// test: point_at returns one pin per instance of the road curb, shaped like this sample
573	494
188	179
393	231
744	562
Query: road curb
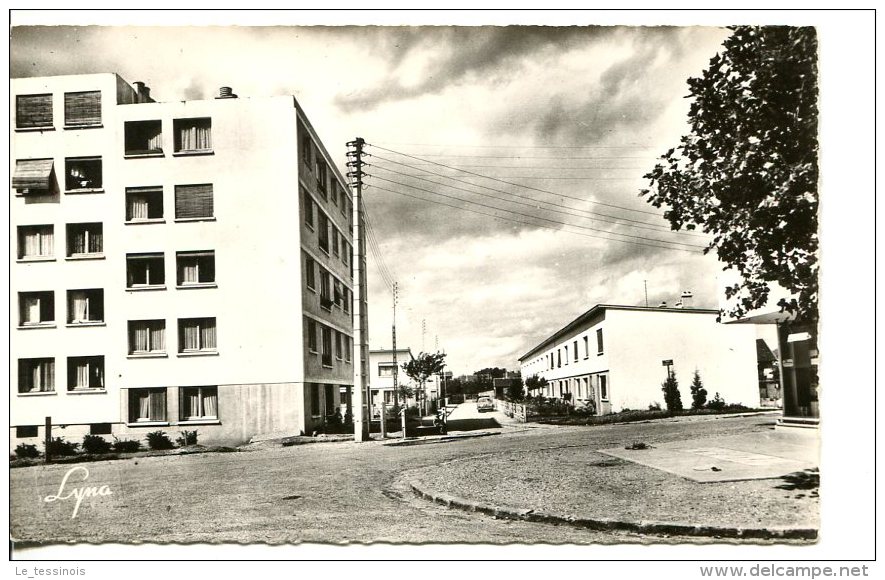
443	439
604	524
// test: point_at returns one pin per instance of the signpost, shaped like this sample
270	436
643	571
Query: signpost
668	363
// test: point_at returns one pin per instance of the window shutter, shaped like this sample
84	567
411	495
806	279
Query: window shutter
33	174
33	111
83	108
193	201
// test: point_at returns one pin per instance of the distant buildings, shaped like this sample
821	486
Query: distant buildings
613	357
175	265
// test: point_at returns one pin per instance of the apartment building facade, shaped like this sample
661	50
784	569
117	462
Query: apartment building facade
175	265
612	357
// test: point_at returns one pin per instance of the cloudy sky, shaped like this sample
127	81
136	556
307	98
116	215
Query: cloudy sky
506	160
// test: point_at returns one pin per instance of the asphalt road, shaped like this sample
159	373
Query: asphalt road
331	492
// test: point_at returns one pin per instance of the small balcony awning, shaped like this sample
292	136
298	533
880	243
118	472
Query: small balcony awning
32	175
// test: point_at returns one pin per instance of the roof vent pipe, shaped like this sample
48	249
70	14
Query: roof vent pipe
226	93
686	299
663	304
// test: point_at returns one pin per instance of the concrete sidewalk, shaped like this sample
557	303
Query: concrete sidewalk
765	486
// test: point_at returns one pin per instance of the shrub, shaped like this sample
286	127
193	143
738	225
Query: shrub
158	440
672	398
717	403
126	445
654	406
587	408
187	438
58	447
95	444
698	392
26	451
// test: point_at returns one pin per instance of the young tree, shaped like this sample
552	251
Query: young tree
515	392
698	392
424	366
747	173
533	383
672	398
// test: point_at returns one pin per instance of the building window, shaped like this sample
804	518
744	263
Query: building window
335	247
334	192
575	348
338	294
306	151
330	399
144	204
199	403
147	337
36	308
348	347
385	370
339	347
345	298
26	431
86	306
145	270
310	273
36	375
308	209
558	357
599	341
323	231
603	387
85	240
196	335
34	176
314	393
327	346
586	346
147	405
83	109
343	204
192	135
33	111
143	137
35	242
85	372
194	202
566	353
196	268
83	174
311	336
326	300
100	429
322	176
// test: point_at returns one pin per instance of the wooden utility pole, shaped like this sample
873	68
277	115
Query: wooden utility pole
361	417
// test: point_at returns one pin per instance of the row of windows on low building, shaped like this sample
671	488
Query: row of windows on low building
146	338
579	388
333	292
561	356
325	341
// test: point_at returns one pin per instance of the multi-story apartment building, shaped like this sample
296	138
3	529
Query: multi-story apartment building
175	265
618	357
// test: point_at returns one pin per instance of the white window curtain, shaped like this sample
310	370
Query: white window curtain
79	307
38	243
144	406
32	310
42	376
195	137
190	272
138	207
210	403
191	336
207	335
141	339
155	141
192	400
157	338
82	376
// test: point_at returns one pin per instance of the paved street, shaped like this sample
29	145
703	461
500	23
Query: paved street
330	492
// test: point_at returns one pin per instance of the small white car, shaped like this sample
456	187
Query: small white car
485	404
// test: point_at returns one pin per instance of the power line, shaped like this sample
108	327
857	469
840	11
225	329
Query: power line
535	205
539	217
531	224
643	225
528	156
557	167
521	185
442	146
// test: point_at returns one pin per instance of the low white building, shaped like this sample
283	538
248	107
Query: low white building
382	368
614	356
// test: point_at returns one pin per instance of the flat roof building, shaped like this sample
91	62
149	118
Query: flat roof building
175	265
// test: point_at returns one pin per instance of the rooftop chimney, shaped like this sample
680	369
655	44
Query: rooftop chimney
142	93
226	93
686	299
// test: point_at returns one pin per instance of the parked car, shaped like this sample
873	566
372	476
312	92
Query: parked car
485	404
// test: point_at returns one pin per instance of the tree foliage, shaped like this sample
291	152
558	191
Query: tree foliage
424	366
672	398
534	383
698	392
747	172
